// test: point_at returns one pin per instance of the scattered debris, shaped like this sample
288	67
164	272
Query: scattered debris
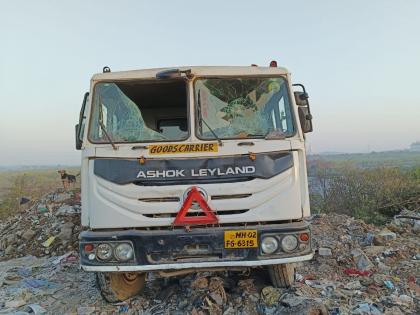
358	269
384	237
50	227
361	260
270	295
323	251
200	283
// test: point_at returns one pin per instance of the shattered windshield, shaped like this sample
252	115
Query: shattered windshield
139	111
242	107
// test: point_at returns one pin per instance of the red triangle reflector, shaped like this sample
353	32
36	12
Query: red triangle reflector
208	218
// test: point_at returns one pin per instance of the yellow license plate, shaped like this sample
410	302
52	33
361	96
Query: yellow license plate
241	239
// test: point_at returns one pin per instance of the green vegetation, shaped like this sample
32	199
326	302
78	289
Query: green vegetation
374	192
30	184
403	159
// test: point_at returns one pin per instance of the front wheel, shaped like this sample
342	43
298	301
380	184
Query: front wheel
120	286
282	276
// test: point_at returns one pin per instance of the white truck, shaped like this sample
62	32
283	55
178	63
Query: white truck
193	168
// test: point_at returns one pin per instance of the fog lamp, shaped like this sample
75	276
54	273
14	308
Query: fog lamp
124	252
104	251
289	243
269	245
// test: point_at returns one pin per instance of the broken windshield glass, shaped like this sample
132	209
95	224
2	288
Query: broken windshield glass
243	107
139	111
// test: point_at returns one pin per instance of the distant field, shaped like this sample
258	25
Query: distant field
35	182
403	159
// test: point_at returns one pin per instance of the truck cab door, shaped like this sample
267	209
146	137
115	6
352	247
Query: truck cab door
80	127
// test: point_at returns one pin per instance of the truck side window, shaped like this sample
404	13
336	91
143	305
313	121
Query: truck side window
282	116
82	117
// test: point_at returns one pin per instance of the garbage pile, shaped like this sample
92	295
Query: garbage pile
50	226
362	269
357	269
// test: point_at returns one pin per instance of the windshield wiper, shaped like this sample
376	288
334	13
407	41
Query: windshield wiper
103	128
201	119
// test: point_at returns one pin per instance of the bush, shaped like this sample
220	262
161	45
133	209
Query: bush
370	194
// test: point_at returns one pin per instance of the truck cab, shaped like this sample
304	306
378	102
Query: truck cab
192	168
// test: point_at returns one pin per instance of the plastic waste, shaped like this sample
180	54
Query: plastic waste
389	284
366	309
48	242
356	272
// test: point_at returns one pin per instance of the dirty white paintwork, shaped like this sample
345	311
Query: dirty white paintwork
282	197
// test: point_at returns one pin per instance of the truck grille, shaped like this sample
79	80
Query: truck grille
177	199
224	197
192	214
160	199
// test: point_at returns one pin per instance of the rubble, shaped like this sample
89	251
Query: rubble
323	251
351	273
361	260
49	227
270	295
384	237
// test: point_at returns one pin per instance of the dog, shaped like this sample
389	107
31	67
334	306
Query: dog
67	179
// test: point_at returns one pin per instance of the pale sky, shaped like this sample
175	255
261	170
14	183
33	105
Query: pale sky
360	61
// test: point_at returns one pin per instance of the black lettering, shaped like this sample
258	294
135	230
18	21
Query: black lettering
252	234
159	149
153	150
211	146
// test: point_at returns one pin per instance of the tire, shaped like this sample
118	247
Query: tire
282	276
120	286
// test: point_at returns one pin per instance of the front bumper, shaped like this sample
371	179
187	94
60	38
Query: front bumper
198	248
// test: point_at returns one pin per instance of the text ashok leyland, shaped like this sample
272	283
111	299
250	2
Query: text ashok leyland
193	168
199	172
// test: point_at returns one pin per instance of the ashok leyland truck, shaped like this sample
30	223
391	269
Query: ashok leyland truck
193	168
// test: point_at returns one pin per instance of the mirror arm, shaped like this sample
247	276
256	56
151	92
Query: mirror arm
306	97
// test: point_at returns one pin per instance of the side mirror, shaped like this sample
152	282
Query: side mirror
305	116
301	98
305	119
78	141
79	128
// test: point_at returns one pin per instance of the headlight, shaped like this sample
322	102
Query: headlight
289	243
104	251
269	245
124	252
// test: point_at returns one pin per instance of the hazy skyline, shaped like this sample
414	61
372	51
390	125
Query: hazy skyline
359	61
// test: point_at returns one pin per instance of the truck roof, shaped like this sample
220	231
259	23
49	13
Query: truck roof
196	70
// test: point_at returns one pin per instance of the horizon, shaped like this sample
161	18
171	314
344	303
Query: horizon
325	154
360	69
